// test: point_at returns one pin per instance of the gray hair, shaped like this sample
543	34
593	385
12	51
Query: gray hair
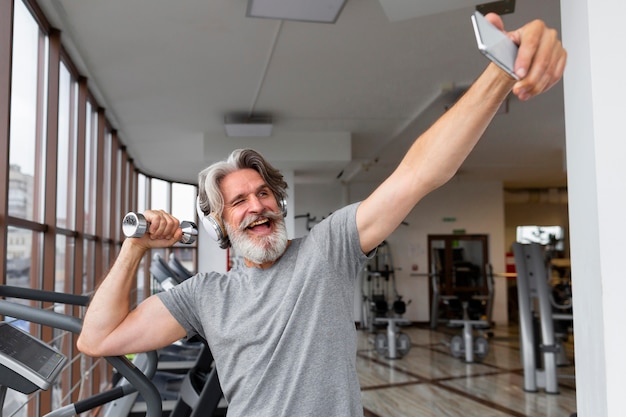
210	198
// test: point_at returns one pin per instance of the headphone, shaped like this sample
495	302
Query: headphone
215	228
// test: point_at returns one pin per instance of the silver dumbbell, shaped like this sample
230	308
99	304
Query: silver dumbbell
136	225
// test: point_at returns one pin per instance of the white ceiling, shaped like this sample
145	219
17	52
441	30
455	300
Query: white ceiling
345	97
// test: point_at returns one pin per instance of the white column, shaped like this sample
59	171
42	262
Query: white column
595	111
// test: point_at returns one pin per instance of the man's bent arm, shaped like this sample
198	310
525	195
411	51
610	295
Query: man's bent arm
110	326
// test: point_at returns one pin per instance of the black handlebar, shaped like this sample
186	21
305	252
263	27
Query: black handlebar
140	381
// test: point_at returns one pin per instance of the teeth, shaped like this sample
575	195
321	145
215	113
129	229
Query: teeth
258	222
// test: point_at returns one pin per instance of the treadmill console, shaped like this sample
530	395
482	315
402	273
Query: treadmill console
26	363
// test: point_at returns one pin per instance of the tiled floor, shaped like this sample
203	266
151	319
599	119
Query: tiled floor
429	381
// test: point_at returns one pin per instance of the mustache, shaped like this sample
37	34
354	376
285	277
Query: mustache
251	218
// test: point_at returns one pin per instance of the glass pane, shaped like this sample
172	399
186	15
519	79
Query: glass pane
20	193
106	257
25	108
437	262
184	201
60	277
468	265
544	235
105	210
66	155
91	186
137	294
118	190
141	193
19	256
88	277
160	196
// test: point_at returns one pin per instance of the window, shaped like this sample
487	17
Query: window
545	235
62	233
26	115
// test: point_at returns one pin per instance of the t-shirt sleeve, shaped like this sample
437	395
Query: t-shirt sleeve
337	239
181	301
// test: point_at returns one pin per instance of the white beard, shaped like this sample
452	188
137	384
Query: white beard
259	250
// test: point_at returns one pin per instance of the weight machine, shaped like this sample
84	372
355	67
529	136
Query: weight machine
467	345
538	314
383	306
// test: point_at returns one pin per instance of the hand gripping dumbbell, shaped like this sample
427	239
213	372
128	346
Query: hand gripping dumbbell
136	225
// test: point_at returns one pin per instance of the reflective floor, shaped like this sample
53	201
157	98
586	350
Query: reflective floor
429	381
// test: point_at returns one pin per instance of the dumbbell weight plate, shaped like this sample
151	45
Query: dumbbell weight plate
380	344
403	343
481	347
457	346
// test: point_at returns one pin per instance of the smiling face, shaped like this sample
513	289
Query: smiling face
252	218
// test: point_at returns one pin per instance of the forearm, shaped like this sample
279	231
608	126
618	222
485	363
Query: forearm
111	302
437	155
433	158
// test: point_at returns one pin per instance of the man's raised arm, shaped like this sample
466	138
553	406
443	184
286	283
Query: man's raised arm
438	153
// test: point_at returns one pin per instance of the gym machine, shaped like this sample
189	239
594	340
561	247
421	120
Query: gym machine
20	354
23	372
26	363
178	268
467	345
537	316
383	306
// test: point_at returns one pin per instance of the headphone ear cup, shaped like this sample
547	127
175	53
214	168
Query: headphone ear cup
282	204
213	226
216	230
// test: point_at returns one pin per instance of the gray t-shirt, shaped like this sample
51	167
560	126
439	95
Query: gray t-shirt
283	338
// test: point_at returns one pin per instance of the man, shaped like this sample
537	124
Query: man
281	326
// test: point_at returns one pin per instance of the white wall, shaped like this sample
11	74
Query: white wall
318	201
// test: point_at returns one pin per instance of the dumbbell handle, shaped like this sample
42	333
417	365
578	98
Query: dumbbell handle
136	225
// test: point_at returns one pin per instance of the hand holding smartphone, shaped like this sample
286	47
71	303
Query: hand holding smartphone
494	44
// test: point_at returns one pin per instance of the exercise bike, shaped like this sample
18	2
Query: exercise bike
27	373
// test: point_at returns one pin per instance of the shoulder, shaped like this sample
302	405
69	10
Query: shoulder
343	217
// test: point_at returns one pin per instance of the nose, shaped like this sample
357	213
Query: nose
255	205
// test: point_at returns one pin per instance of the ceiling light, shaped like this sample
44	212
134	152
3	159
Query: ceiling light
248	126
322	11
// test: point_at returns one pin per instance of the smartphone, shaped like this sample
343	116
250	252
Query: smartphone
494	44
